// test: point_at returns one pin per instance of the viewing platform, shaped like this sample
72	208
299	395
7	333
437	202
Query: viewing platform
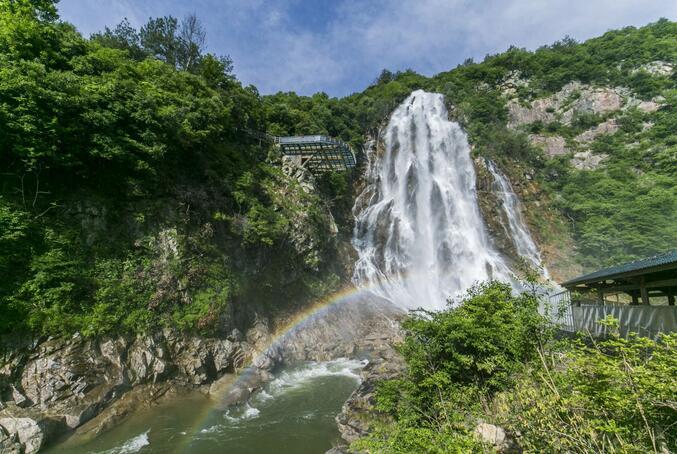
317	153
643	295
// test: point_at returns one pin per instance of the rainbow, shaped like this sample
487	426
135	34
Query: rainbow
282	333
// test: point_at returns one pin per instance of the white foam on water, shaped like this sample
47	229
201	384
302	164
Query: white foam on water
130	446
297	377
242	413
251	412
262	396
211	430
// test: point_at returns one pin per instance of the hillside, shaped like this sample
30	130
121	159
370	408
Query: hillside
132	195
153	244
586	132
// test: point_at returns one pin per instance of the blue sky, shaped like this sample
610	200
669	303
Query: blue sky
340	46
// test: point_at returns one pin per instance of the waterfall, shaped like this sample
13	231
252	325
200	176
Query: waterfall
516	228
419	233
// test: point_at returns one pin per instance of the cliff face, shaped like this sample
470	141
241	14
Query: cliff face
52	385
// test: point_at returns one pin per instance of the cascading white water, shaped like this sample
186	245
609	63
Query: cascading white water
516	228
419	234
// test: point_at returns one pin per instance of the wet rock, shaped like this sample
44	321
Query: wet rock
338	450
358	412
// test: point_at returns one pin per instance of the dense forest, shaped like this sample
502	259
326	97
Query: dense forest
133	195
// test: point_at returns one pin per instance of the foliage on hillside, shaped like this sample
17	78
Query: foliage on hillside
129	196
492	359
623	210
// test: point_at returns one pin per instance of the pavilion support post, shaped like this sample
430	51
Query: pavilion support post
600	296
635	298
671	298
644	293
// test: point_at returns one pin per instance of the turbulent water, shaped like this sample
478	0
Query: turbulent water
292	414
419	233
516	228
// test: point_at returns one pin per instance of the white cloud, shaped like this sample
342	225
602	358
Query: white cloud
275	51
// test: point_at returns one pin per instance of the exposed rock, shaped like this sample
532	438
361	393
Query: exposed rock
134	399
657	68
195	362
648	106
9	444
358	413
595	101
61	373
512	82
496	436
360	323
542	110
222	351
608	127
114	350
29	433
586	160
573	99
147	359
376	338
19	399
64	383
168	244
552	145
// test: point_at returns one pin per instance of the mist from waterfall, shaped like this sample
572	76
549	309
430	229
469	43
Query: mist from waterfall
516	228
419	233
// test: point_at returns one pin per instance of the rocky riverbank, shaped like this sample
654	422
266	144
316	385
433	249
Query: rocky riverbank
90	385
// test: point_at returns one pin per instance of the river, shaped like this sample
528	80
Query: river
292	414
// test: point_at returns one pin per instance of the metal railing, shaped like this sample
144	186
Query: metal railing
584	316
558	310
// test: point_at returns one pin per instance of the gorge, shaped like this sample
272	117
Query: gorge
421	242
169	282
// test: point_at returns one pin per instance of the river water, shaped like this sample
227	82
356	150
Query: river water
292	414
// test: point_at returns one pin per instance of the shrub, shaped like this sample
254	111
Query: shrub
614	395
